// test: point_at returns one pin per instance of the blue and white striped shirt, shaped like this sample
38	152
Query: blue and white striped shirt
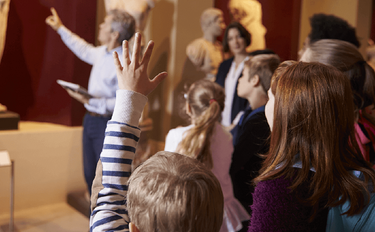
122	134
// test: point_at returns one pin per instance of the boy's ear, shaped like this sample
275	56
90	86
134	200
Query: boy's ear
133	228
255	80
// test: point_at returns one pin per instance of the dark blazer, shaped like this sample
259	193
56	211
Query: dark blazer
252	139
238	103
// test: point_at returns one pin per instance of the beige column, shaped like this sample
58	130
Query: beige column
173	24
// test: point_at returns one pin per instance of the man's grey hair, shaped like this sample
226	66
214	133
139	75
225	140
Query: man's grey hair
123	23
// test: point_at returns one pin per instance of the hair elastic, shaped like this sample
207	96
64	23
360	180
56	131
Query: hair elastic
212	100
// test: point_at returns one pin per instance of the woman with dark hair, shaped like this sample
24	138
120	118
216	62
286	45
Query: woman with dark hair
313	151
236	39
346	57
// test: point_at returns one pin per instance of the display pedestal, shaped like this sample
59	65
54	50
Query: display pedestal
9	120
6	162
49	165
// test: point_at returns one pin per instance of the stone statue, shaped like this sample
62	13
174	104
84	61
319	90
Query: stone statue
249	14
139	9
4	8
3	108
206	53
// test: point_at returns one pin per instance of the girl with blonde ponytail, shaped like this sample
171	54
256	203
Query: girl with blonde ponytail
207	141
204	104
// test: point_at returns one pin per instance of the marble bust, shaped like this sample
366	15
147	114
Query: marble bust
206	53
3	108
139	9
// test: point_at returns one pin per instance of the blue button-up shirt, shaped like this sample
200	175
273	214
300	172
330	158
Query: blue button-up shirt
103	80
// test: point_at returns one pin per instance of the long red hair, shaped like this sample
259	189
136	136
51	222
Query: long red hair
313	117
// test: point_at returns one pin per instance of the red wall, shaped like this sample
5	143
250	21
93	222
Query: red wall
282	20
35	57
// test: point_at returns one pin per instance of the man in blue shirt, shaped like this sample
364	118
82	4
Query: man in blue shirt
117	26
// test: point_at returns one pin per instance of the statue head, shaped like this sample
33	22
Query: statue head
212	21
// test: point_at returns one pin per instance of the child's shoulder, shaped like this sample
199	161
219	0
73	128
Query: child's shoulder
256	120
179	129
174	137
222	132
177	133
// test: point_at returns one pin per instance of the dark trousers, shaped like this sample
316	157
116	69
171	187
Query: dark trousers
92	138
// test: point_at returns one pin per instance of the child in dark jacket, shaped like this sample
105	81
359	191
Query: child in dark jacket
251	133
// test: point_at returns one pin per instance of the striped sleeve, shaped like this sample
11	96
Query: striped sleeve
122	134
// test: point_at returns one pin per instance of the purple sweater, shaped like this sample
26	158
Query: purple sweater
275	208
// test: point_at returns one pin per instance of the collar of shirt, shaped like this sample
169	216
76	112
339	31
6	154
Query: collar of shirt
249	113
230	89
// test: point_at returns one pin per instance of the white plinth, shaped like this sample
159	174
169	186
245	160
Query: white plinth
48	164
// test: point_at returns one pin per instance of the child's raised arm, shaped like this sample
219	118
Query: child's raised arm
110	186
133	75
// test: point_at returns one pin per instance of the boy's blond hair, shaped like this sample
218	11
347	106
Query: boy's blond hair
264	66
172	192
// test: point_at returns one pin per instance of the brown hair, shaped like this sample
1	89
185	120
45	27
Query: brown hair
264	66
206	100
279	72
346	57
325	26
243	33
173	192
313	118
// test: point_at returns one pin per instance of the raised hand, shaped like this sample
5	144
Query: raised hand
133	75
54	20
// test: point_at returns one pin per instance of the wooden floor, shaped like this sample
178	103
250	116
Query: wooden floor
59	217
